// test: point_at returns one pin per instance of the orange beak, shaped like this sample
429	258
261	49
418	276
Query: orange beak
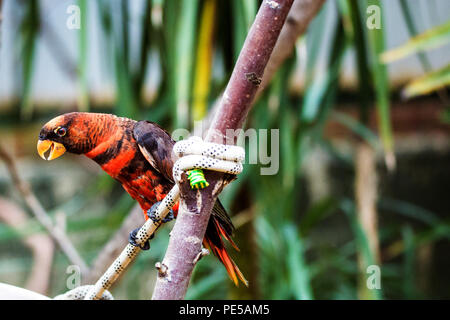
56	149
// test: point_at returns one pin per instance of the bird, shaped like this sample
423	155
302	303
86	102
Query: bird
138	154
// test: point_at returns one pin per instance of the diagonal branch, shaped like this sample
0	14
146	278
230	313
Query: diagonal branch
40	245
195	206
41	215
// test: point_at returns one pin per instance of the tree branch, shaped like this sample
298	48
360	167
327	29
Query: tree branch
36	208
366	209
195	206
40	245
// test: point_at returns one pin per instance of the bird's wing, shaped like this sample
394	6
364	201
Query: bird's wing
156	145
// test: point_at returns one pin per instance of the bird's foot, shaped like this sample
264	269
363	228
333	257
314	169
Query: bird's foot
132	240
169	217
151	213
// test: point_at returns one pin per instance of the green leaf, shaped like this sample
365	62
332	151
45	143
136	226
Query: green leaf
203	66
200	289
319	89
356	126
243	14
362	242
428	40
288	161
376	39
83	96
428	83
29	29
297	268
140	69
316	213
411	25
445	116
313	37
409	210
408	263
184	60
355	31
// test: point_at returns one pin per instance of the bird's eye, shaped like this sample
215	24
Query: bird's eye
60	131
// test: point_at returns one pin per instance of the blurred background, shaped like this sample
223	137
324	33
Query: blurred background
364	152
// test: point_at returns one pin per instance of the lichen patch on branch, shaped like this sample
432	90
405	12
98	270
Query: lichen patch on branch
273	4
201	254
199	200
193	239
162	269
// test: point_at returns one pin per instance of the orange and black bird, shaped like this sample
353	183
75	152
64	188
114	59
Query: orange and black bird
139	155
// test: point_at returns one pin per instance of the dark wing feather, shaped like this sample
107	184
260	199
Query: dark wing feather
221	214
156	145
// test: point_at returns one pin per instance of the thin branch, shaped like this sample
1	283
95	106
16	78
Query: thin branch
41	215
41	246
195	206
366	199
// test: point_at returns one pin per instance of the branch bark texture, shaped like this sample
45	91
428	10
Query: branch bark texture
195	206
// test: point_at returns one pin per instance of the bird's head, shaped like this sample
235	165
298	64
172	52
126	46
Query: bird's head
76	132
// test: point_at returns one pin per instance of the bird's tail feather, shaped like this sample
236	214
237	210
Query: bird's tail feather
218	227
